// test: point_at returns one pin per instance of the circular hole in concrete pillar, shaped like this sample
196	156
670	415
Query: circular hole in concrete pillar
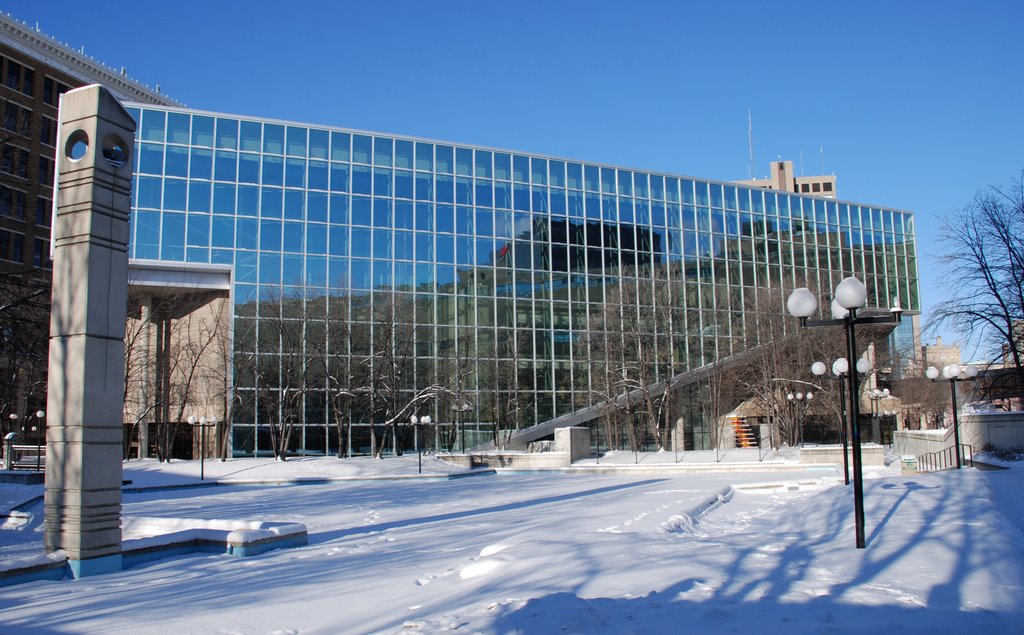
77	145
114	151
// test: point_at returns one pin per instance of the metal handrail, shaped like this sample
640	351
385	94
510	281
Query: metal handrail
944	459
24	457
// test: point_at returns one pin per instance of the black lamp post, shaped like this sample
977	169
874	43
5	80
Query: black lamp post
201	424
798	402
202	444
840	369
850	295
954	373
40	429
417	422
878	413
462	409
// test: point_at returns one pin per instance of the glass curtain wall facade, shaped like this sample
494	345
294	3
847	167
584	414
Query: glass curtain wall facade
500	259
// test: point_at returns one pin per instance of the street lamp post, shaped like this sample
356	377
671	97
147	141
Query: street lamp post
954	373
202	452
201	424
12	436
462	409
840	369
890	413
417	422
40	414
877	412
850	295
798	402
192	424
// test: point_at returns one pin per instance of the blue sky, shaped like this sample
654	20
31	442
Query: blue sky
914	105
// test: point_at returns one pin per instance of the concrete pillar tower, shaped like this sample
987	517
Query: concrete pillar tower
87	325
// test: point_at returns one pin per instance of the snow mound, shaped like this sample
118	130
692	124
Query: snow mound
479	568
687	521
490	550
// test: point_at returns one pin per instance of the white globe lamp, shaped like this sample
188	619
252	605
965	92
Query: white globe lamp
801	303
851	293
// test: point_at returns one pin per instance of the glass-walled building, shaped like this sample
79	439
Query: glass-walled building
493	258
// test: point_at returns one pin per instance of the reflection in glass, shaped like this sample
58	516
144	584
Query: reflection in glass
513	252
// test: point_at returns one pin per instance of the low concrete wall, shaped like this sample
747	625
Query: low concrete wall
919	442
1001	430
255	538
571	444
515	460
21	478
871	454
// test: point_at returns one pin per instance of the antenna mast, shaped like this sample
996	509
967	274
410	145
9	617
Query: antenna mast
750	144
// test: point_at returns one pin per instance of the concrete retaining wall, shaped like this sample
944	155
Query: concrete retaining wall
571	444
919	442
1001	430
515	460
871	454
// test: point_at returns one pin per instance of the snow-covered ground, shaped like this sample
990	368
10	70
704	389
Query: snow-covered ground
556	553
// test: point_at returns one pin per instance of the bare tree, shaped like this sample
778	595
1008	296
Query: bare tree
984	270
604	386
24	290
782	354
721	392
763	334
189	326
138	401
221	385
628	360
458	367
720	399
390	377
291	363
510	398
341	388
24	344
923	400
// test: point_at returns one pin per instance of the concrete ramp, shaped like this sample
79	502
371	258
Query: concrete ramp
520	439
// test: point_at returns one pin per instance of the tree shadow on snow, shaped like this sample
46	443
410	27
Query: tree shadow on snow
664	612
790	575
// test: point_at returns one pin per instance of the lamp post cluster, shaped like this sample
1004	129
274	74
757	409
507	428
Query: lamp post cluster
798	402
416	423
461	409
878	412
954	373
876	396
202	424
850	295
840	371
